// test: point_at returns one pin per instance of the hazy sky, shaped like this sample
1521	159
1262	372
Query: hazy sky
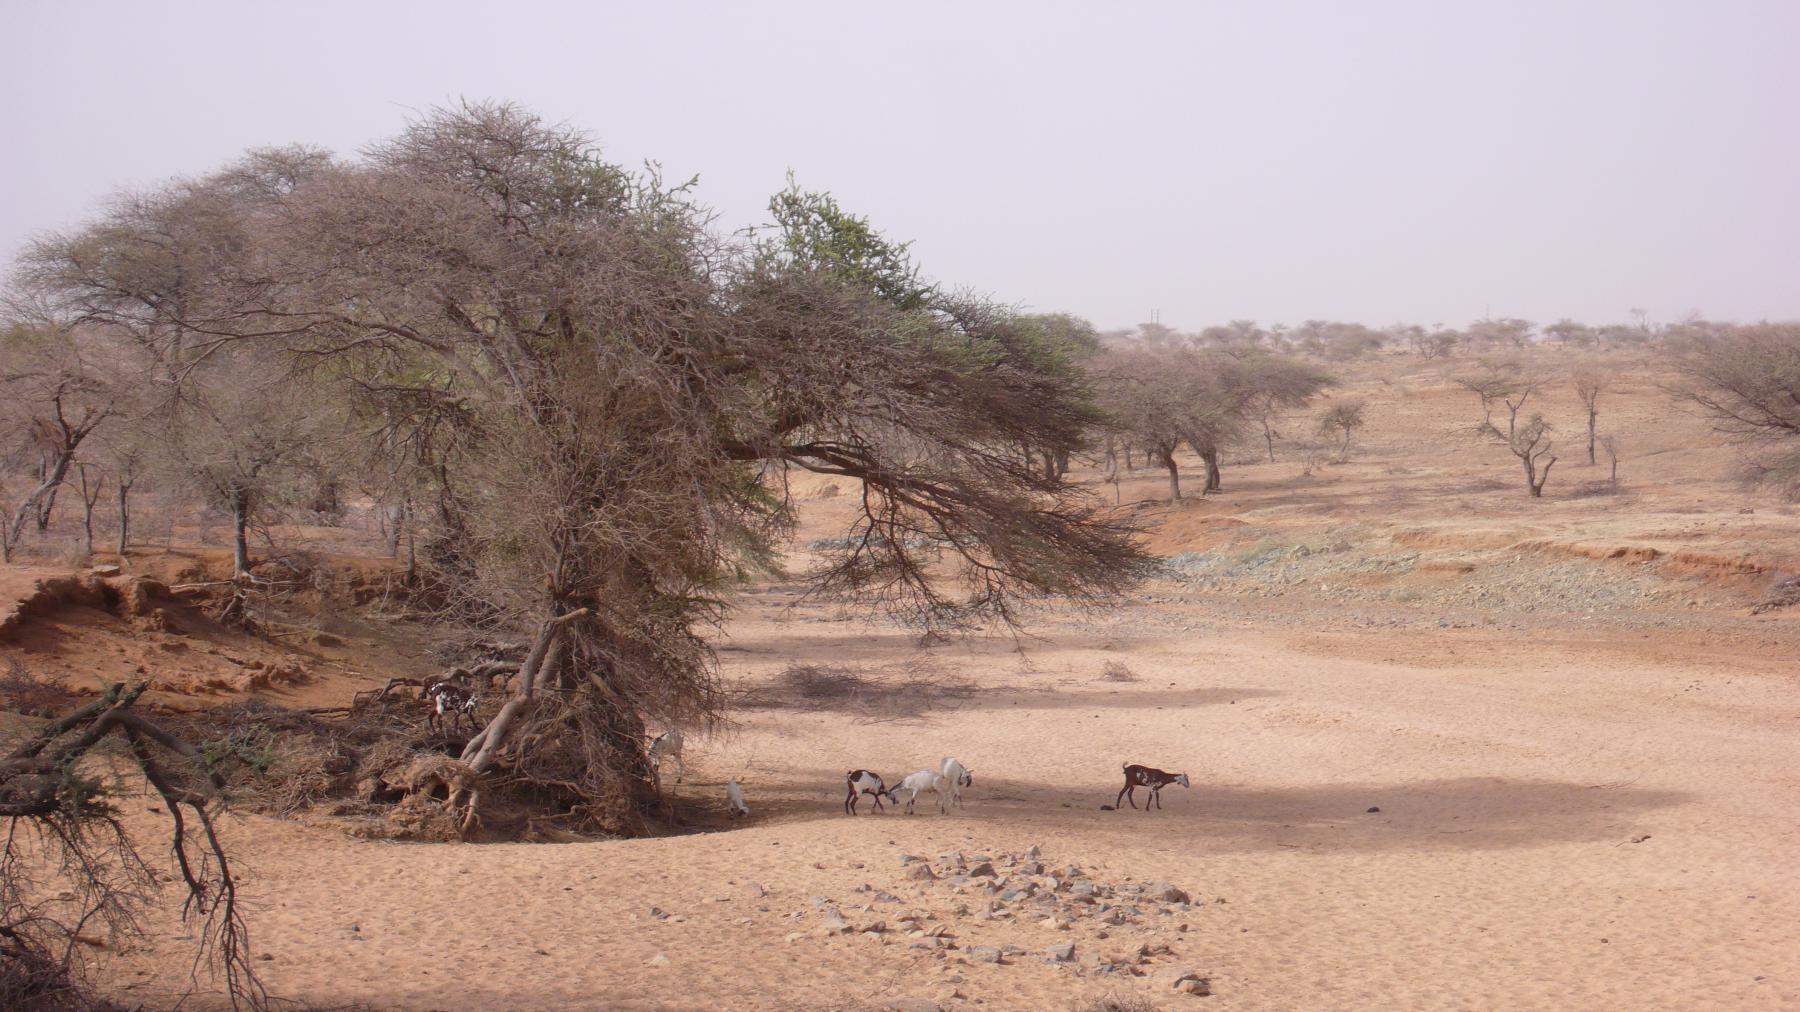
1367	161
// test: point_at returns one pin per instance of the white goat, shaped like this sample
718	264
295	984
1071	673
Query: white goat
734	799
917	783
666	746
958	776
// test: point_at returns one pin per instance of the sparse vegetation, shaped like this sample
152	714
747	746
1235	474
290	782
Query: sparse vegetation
1117	671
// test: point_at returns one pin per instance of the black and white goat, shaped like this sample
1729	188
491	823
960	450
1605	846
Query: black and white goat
861	782
448	698
1147	776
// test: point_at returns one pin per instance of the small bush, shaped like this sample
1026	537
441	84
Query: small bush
1116	672
33	695
1784	592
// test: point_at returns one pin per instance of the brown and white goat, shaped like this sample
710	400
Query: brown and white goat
862	782
1147	776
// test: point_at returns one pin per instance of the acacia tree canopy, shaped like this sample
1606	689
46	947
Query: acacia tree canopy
603	393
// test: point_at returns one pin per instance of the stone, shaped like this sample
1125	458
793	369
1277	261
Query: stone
659	960
1031	868
1062	953
834	923
1168	893
757	890
1033	853
981	869
984	954
921	873
795	936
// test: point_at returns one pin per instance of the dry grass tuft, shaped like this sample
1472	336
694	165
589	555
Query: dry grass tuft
1114	671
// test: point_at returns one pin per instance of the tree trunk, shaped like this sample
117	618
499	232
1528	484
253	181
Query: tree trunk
1592	416
480	750
54	473
89	496
124	491
1168	460
240	524
1344	452
1533	479
1269	438
1209	455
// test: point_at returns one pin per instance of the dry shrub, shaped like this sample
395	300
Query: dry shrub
32	978
1783	592
1114	671
1115	1003
33	695
871	696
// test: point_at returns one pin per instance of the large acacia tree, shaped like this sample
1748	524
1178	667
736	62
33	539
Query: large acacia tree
604	393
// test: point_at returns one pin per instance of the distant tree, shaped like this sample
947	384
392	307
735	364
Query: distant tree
1147	392
1274	385
1747	380
1430	344
1504	381
55	397
1612	446
1590	382
1571	334
1509	332
1531	443
1343	417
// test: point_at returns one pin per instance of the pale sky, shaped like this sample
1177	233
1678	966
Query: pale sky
1366	161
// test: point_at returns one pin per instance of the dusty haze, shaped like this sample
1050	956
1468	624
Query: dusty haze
1270	161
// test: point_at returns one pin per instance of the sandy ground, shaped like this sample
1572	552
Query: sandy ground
1500	872
1580	745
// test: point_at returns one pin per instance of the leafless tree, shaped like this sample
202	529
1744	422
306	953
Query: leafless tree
1747	380
56	398
1611	445
1590	382
1504	381
1531	443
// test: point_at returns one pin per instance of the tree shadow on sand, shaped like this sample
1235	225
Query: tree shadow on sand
1453	814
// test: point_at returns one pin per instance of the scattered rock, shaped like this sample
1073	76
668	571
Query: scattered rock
757	890
984	954
1373	809
659	960
1062	953
1190	982
1167	893
983	869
